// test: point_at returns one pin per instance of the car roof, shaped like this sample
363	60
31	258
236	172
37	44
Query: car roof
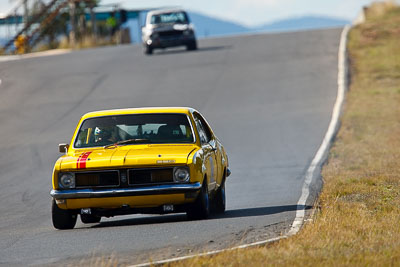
147	110
162	11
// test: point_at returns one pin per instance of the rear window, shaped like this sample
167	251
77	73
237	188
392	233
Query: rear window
147	128
173	17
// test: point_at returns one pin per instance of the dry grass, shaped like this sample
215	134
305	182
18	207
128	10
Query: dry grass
86	42
358	220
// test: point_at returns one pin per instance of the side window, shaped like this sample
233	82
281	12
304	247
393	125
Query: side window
202	135
204	131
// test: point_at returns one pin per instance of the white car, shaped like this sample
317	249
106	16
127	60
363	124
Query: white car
168	28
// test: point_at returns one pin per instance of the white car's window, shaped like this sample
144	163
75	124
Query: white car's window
173	17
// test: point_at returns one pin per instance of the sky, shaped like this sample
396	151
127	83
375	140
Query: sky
246	12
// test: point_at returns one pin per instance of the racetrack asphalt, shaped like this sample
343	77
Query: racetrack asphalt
268	97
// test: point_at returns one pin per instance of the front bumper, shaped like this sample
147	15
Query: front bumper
125	192
164	42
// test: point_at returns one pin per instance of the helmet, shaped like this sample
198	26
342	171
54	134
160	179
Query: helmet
101	134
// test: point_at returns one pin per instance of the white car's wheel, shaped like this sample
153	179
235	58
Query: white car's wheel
148	50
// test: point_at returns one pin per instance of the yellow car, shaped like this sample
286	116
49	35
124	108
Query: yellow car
144	160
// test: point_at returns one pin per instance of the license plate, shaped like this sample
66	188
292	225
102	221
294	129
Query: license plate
168	208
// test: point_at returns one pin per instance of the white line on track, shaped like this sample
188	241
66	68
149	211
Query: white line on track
317	161
333	127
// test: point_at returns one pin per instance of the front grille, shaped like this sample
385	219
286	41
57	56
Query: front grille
170	33
93	179
150	176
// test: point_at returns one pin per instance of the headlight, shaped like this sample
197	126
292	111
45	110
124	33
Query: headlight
67	180
181	174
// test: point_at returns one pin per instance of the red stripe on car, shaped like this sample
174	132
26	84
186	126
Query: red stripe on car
78	161
81	163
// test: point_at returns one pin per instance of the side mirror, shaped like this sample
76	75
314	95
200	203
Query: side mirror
63	148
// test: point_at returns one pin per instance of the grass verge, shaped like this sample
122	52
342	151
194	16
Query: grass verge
359	207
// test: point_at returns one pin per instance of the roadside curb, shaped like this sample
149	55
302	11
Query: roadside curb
35	54
321	155
318	160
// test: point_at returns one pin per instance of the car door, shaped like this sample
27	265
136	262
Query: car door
207	143
219	161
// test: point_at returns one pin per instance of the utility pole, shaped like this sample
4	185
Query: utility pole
72	36
93	21
26	12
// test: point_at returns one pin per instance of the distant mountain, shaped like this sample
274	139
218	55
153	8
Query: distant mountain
302	23
206	26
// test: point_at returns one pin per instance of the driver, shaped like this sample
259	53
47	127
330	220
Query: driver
106	135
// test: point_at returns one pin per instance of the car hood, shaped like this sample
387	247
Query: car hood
126	156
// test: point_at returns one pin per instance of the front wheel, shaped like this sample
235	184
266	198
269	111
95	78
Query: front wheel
62	219
148	50
192	46
200	209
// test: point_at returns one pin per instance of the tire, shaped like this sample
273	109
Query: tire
62	219
200	209
220	199
148	50
192	46
87	218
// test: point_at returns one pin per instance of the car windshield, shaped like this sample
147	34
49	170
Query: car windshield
173	17
135	129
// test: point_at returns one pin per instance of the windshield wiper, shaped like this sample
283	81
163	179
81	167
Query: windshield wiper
127	142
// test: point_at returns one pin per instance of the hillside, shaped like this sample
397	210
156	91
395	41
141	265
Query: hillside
302	23
207	26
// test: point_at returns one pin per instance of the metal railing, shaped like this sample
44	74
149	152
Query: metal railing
37	24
